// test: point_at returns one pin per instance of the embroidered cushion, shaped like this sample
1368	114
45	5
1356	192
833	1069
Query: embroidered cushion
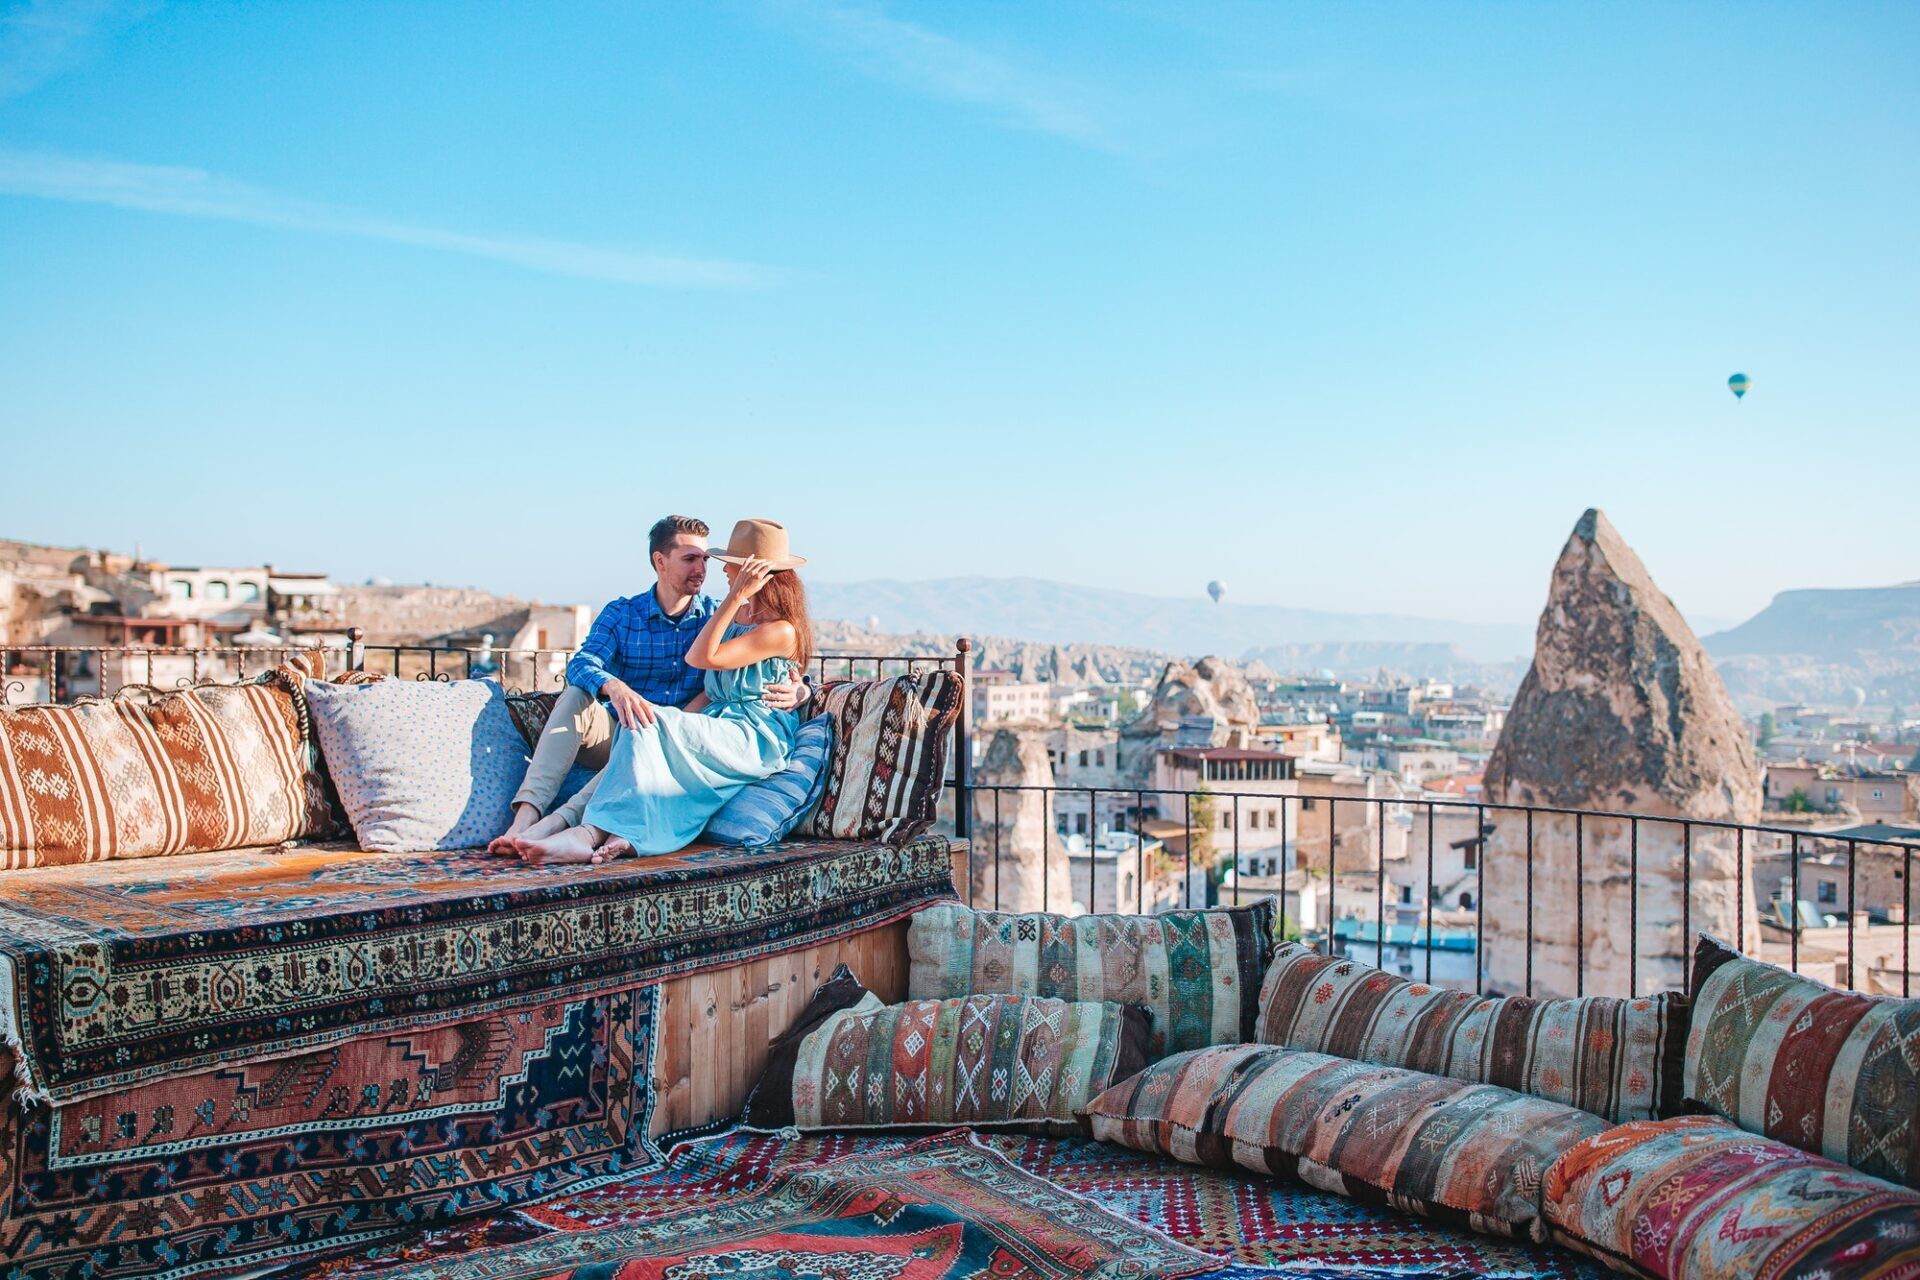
420	764
765	811
889	756
1196	972
1619	1059
1467	1154
1829	1071
147	773
998	1061
1697	1196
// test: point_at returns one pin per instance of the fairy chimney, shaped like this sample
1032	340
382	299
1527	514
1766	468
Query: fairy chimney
1013	830
1211	689
1622	710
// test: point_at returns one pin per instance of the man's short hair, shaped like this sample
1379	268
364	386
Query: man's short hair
667	528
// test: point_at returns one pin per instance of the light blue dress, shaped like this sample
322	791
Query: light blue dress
662	783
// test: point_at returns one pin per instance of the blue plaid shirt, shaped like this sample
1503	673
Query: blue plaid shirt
632	640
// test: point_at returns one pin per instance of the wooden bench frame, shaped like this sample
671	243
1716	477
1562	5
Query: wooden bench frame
715	1027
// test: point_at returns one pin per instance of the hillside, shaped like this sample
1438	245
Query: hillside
1821	646
1061	613
1026	659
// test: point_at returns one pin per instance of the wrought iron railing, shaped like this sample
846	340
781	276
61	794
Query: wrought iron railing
64	673
1556	923
41	673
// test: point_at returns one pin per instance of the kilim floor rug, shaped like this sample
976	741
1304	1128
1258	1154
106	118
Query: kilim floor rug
942	1208
1257	1223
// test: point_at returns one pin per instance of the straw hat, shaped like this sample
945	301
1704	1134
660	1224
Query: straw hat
758	539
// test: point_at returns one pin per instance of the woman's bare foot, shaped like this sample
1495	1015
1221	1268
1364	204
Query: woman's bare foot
575	844
613	847
506	844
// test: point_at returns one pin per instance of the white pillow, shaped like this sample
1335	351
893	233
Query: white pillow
420	764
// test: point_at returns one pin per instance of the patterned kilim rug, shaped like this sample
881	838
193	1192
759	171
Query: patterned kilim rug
362	1142
942	1208
1265	1227
116	973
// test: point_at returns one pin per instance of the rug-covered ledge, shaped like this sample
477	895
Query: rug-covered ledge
116	974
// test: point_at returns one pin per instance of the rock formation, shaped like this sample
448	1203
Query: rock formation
1212	688
1621	710
1017	828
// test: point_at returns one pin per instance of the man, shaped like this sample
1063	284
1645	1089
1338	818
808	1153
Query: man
633	660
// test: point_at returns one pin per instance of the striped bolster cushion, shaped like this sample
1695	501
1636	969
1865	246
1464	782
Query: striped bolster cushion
889	756
1619	1059
765	811
148	773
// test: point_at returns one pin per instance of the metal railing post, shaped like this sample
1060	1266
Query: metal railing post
963	748
356	648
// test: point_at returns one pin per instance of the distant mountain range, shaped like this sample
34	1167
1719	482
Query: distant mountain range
1826	646
1821	646
1060	613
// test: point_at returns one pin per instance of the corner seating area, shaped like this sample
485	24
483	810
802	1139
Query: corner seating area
235	1039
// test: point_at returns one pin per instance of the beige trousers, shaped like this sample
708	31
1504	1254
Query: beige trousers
579	731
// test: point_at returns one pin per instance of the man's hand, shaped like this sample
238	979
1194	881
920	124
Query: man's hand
629	708
786	695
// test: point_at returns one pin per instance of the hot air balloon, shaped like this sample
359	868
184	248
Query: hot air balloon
1738	384
1216	589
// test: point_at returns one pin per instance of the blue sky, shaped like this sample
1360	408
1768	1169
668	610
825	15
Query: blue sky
1355	307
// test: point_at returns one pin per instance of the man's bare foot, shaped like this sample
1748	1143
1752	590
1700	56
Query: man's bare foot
613	847
506	844
575	844
551	825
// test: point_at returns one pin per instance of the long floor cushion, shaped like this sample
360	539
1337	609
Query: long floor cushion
1468	1154
1698	1196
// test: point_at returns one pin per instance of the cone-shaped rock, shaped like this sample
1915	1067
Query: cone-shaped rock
1623	711
1017	828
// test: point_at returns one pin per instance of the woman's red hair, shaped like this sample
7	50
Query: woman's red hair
785	596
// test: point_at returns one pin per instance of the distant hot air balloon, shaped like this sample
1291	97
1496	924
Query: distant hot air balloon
1738	384
1216	589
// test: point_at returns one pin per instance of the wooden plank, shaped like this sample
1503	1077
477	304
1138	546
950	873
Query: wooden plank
715	1027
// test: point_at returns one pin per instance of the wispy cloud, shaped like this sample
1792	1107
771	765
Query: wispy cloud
925	61
41	38
195	193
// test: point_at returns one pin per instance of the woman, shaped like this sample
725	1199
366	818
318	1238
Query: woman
663	782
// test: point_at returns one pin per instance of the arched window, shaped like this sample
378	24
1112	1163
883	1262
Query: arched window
182	589
1466	900
216	589
248	590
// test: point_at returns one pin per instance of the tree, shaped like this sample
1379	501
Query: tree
1798	801
1769	728
1204	816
